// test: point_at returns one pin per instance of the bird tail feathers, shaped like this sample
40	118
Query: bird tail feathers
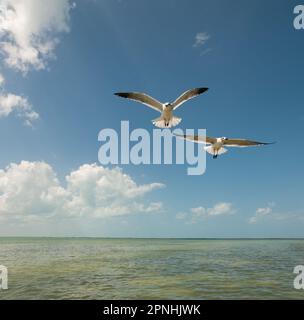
212	151
175	121
161	123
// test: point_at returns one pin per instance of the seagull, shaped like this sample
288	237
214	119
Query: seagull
215	146
167	119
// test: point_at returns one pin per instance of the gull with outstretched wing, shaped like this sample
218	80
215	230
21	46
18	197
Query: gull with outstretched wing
215	146
167	119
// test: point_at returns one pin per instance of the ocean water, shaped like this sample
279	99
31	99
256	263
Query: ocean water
81	268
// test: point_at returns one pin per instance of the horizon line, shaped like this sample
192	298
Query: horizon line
157	238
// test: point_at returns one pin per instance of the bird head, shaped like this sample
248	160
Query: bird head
167	104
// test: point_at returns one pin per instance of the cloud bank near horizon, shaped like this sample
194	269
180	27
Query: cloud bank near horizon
32	190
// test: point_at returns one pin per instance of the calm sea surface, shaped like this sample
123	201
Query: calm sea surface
59	268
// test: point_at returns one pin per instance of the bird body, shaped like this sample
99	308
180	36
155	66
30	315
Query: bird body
167	112
167	118
216	146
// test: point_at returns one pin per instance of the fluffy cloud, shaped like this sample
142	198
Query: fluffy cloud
13	103
200	39
221	208
29	28
260	213
29	34
32	189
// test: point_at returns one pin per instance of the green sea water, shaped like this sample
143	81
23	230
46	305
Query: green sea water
81	268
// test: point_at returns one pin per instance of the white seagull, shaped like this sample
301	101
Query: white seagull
215	146
167	119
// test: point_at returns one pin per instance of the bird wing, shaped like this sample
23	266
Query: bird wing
197	139
142	98
189	94
243	143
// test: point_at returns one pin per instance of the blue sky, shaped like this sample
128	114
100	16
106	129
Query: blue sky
253	65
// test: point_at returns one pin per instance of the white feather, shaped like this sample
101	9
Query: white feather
160	122
211	150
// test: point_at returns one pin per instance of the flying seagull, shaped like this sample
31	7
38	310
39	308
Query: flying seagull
167	119
215	146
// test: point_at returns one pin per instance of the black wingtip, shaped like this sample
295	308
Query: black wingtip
202	90
121	94
267	143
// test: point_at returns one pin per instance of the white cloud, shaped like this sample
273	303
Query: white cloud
32	189
2	80
200	39
105	192
13	103
29	30
29	34
220	208
260	213
268	213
